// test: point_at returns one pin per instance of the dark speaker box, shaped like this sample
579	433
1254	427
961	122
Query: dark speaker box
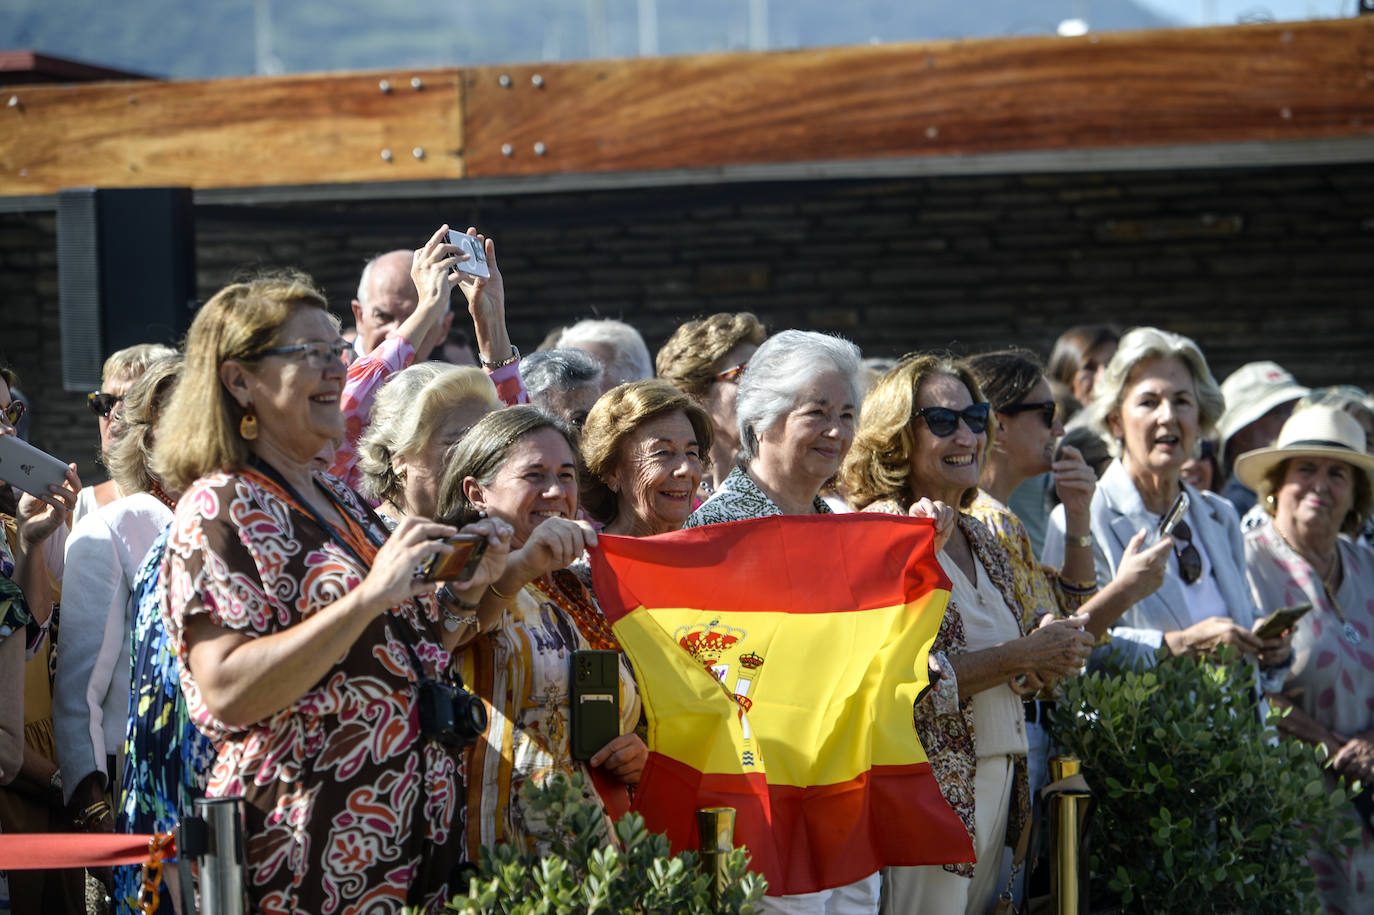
126	271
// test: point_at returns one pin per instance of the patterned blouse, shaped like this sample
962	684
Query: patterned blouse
1331	677
943	722
738	499
522	669
348	807
1039	588
167	761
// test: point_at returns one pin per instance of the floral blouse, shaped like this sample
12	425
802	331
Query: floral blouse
944	722
739	498
348	807
1039	588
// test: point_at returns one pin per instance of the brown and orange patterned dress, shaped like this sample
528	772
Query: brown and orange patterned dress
349	809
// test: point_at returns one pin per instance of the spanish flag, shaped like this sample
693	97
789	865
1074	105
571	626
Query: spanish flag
778	660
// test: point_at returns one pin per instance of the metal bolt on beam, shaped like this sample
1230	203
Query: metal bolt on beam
507	150
540	149
385	86
416	83
418	152
504	80
14	101
386	155
538	81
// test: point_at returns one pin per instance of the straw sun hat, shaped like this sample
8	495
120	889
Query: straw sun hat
1315	432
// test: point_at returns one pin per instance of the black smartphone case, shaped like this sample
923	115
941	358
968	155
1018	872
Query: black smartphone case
595	699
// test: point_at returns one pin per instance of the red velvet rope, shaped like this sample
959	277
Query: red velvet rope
54	850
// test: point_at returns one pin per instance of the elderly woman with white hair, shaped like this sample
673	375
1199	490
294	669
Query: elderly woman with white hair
797	405
1156	397
419	415
616	345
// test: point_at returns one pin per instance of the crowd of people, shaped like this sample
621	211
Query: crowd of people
241	609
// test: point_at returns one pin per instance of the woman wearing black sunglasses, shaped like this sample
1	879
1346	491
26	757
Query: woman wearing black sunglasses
117	376
1155	399
923	435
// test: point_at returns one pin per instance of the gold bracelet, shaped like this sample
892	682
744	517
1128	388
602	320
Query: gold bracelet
1083	540
500	595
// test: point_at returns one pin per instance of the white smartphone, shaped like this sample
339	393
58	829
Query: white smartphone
476	264
26	467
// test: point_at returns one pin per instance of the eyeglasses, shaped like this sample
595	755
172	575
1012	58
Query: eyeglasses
943	421
1046	408
102	403
1189	559
732	374
318	355
15	412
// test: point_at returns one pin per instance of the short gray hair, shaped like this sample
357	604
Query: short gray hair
365	280
631	361
1143	344
785	364
551	370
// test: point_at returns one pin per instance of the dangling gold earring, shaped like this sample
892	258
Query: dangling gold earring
248	426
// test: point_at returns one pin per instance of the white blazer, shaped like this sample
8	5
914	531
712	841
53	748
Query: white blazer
1117	515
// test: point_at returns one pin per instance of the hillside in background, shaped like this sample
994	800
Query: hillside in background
180	40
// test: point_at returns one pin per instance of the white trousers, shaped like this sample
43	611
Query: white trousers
858	898
932	890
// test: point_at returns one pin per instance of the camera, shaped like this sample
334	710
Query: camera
450	714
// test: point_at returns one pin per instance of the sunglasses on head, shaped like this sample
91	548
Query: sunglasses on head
15	412
101	403
943	421
1046	408
733	373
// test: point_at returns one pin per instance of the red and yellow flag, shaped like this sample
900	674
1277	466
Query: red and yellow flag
778	660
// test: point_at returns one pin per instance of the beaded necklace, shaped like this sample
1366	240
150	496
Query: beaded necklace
568	593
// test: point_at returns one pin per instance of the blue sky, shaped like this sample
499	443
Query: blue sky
1229	12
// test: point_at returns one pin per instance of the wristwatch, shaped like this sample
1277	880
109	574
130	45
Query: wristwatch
514	356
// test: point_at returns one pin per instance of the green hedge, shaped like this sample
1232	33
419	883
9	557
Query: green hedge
586	872
1201	808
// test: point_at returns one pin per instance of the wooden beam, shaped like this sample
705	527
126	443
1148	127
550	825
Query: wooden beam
1274	82
232	132
1286	84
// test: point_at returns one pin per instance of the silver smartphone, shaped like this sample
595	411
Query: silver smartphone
1170	519
26	467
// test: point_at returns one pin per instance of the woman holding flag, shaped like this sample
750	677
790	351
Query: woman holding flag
924	434
797	405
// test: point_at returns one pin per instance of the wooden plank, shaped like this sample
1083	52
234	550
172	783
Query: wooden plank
232	133
1306	82
1273	82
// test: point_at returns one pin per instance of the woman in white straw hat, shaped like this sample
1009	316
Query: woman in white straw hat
1317	483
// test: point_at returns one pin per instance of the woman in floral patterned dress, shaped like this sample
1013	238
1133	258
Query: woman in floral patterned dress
301	631
1318	485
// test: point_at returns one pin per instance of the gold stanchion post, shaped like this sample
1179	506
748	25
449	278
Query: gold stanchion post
1066	813
716	839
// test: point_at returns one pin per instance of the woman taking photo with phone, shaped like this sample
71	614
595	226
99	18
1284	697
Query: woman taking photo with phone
305	635
1317	484
519	466
1154	400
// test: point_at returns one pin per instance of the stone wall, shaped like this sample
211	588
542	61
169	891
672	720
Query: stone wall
1252	263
